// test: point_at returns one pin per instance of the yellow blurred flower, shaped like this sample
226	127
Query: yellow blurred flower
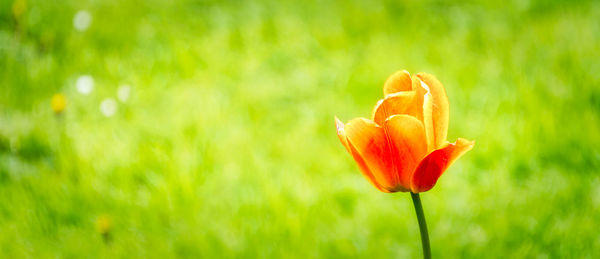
58	103
18	8
103	224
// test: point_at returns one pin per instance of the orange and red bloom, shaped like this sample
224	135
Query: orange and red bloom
403	146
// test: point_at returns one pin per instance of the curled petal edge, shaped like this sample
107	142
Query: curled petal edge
397	82
435	164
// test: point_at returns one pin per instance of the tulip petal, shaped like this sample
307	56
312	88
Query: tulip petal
435	164
424	100
440	108
359	160
397	103
428	121
362	165
339	126
408	137
397	82
371	144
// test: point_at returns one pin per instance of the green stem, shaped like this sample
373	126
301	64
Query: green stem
422	225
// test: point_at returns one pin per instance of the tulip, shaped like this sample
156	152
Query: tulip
403	147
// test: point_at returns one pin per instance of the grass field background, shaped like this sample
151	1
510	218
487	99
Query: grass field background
226	146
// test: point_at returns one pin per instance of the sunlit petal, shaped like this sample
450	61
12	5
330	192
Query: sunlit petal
339	126
408	137
357	158
397	103
440	108
372	145
397	82
362	165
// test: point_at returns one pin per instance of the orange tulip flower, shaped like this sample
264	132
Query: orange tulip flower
403	146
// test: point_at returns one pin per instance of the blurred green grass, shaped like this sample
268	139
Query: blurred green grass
226	147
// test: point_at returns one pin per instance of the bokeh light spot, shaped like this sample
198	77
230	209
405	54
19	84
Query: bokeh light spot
108	107
82	20
85	84
123	93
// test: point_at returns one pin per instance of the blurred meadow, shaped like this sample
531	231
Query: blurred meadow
205	128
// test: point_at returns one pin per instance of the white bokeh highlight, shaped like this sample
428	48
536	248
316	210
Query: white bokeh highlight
82	20
85	84
108	107
123	93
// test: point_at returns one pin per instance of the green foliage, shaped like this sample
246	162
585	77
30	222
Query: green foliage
226	146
